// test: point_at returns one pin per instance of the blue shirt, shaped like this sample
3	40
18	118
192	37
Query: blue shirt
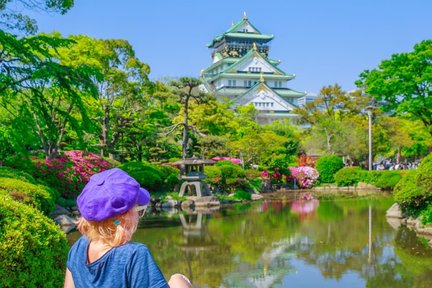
129	265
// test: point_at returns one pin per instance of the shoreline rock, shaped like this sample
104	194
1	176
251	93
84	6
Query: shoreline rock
395	218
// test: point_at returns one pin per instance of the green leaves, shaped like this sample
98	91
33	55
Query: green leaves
405	82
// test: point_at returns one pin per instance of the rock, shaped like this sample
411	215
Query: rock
66	223
187	204
394	212
59	210
169	203
256	197
205	201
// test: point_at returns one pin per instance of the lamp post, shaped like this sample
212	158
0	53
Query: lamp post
369	112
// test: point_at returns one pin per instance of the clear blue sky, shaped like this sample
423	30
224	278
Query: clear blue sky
322	42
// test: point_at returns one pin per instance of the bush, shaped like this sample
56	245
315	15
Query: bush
6	172
252	174
152	177
414	192
327	166
33	249
348	176
386	179
38	196
424	176
242	195
69	173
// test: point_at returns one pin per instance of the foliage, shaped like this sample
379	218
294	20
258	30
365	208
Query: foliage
152	177
42	93
426	214
242	195
6	172
404	83
69	173
252	174
33	249
36	195
305	176
13	18
327	166
384	179
348	176
414	192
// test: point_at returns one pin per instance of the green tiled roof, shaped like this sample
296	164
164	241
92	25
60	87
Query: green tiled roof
233	33
289	92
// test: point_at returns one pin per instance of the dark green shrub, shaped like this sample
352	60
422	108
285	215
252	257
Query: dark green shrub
146	174
242	195
348	176
33	249
327	166
6	172
426	214
38	196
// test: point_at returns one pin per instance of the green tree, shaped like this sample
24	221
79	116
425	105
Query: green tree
122	89
187	89
35	83
404	82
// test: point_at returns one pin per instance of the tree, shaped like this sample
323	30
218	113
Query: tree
187	89
122	89
12	18
404	82
326	115
34	82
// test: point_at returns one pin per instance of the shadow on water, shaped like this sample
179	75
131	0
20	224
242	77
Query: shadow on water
289	243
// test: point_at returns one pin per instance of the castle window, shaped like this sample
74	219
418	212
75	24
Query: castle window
234	83
255	69
229	82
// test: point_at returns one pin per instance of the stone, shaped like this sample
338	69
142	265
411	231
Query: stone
59	210
187	204
169	203
66	223
394	212
256	197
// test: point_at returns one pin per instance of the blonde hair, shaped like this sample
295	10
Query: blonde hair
114	231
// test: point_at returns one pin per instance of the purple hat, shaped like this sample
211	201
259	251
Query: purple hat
110	193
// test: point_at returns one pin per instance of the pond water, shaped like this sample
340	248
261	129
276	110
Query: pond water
289	243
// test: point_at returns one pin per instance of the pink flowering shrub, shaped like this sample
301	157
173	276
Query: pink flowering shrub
304	175
70	172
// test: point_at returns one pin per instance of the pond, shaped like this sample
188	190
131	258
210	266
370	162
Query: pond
287	243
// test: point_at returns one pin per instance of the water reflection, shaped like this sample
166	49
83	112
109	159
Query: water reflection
283	243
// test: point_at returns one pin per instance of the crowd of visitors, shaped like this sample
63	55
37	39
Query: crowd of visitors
390	165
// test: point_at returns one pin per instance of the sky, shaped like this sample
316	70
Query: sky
321	42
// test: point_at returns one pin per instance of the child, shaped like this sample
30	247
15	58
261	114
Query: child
104	256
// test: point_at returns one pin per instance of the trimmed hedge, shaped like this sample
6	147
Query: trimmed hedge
384	179
33	249
36	195
348	176
327	166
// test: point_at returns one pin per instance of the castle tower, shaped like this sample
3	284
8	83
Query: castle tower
242	72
